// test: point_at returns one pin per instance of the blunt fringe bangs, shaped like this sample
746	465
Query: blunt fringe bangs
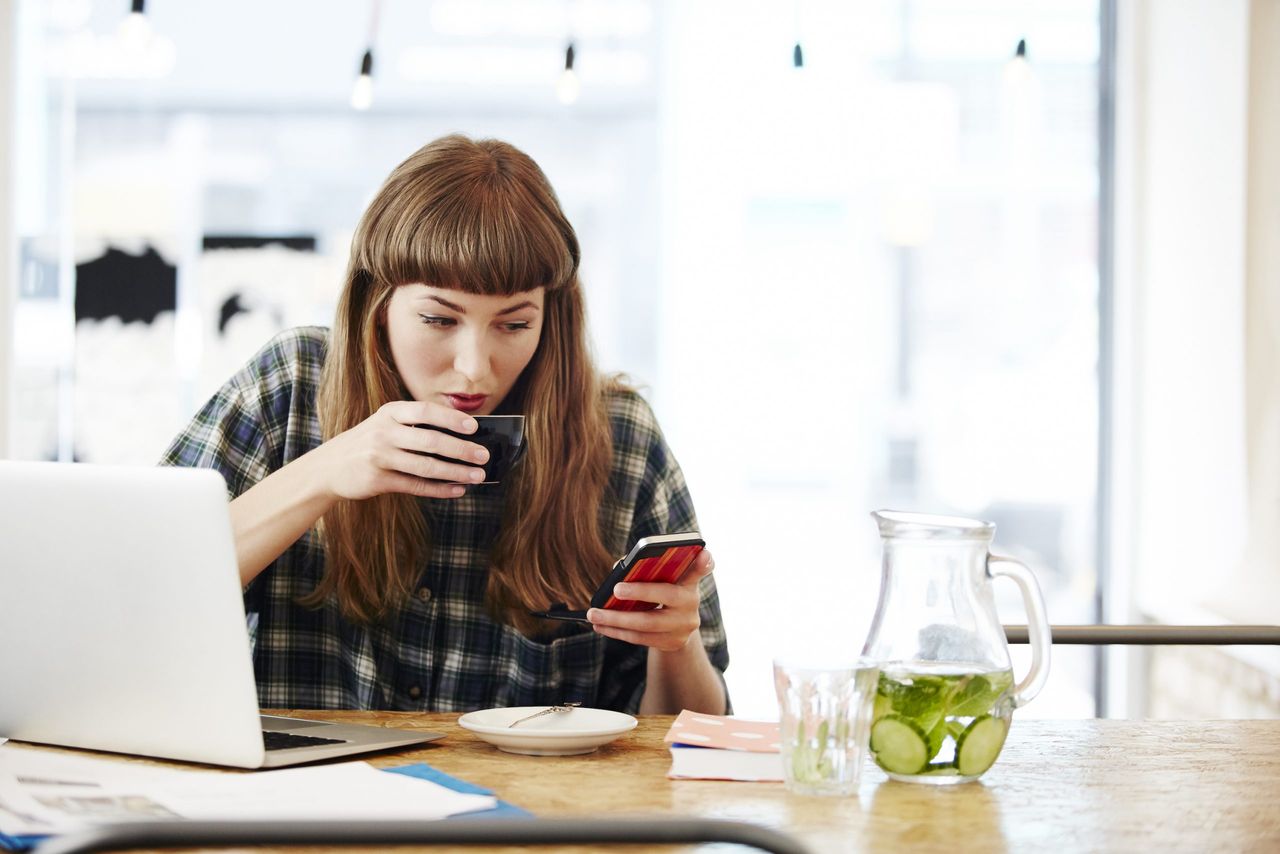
475	215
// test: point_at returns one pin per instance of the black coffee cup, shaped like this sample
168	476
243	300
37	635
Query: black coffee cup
501	435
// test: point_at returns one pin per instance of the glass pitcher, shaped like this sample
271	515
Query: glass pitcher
946	695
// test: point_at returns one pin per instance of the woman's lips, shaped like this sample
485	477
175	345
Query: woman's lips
467	402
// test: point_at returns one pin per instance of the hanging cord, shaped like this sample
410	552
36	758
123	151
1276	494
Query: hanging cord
375	12
797	53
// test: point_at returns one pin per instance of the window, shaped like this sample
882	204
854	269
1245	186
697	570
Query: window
882	292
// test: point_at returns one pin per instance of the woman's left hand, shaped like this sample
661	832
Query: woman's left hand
668	628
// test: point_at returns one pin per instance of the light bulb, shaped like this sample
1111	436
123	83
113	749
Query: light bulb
1017	71
567	87
134	32
362	92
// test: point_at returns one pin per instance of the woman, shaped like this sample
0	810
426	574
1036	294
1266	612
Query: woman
370	580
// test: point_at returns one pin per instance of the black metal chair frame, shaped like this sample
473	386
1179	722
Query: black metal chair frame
460	832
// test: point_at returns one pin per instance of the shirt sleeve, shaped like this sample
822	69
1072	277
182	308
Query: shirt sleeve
226	435
663	506
242	429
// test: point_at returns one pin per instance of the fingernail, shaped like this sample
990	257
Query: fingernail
480	455
457	490
622	589
476	476
470	425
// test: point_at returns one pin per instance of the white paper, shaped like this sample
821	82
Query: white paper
344	792
43	792
49	793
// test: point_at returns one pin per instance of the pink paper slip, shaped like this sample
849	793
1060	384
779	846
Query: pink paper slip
698	730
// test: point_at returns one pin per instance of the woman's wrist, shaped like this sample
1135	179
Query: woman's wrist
315	479
691	651
682	679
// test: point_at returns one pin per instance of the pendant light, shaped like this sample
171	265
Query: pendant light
568	87
362	91
135	30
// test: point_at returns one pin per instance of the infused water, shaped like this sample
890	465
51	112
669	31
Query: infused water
939	722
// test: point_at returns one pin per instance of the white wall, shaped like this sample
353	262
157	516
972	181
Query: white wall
1187	278
1196	272
1254	595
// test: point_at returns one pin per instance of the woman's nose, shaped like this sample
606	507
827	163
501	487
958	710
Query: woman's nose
472	358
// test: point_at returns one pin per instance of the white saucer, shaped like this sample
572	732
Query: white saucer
557	734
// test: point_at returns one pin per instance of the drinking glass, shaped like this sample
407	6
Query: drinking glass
826	715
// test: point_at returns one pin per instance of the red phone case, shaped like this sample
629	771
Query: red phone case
669	566
660	558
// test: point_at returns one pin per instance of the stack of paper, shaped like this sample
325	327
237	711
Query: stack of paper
44	793
715	747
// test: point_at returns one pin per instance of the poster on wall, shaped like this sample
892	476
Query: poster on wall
251	287
126	388
134	381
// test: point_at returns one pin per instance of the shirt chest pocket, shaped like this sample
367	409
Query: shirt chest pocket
546	672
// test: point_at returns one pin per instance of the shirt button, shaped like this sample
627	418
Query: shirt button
423	594
415	692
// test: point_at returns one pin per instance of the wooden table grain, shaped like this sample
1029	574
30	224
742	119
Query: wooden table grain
1063	786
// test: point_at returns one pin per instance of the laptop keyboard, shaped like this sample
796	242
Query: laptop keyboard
285	740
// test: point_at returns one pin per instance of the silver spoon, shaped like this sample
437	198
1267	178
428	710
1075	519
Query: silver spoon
562	707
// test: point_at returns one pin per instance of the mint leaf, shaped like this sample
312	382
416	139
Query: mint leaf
976	696
923	698
917	698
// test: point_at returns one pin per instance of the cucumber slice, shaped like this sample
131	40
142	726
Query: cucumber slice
979	745
899	745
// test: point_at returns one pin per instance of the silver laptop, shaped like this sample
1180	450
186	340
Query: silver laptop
122	625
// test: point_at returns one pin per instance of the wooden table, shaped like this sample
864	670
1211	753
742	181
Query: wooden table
1079	785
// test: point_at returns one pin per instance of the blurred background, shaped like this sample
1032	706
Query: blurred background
985	257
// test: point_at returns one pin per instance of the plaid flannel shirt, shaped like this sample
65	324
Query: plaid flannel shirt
441	651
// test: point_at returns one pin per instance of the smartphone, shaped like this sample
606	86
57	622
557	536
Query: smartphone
660	558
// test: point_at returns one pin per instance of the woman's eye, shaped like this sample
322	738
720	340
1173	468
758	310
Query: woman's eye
516	326
435	320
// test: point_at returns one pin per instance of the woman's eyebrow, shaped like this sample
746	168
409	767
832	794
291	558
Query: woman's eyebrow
513	309
449	305
460	310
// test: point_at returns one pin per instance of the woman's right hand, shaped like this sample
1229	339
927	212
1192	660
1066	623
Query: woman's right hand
385	453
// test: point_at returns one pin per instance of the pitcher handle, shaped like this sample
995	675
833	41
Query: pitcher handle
1037	625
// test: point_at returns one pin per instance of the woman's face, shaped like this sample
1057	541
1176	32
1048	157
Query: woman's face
463	350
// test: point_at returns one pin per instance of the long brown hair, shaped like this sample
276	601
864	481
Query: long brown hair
479	216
